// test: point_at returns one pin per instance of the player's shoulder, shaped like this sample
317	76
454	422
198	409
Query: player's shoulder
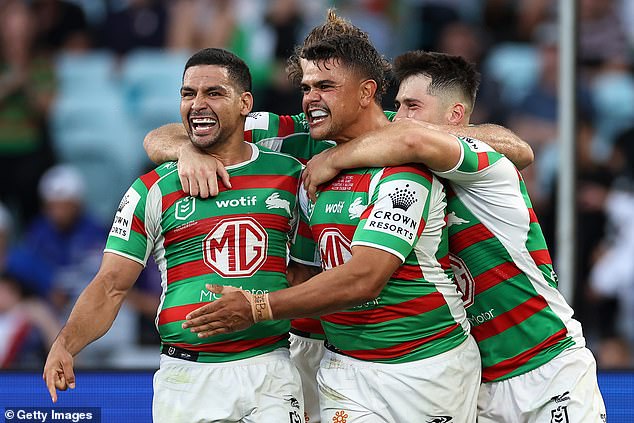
164	172
276	157
408	170
274	124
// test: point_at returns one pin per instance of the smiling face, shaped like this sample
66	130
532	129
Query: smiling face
212	108
414	101
331	98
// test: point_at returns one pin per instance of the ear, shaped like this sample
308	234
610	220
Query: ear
367	90
457	114
246	103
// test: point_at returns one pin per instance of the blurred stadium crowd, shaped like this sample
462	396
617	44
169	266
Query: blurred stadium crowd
82	81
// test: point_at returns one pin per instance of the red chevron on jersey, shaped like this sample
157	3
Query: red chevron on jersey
400	349
505	367
413	307
199	268
468	237
233	346
418	170
494	276
509	319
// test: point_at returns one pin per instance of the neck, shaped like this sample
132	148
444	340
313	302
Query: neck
367	120
232	152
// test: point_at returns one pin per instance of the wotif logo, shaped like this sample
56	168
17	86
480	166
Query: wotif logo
237	202
334	208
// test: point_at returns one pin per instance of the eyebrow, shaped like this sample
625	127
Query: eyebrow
323	81
211	88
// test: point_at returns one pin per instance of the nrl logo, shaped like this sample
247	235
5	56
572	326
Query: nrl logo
184	208
403	198
559	415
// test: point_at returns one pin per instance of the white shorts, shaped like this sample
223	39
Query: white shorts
259	389
563	390
443	388
306	354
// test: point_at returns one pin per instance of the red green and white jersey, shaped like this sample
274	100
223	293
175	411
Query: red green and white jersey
400	210
238	238
501	262
289	135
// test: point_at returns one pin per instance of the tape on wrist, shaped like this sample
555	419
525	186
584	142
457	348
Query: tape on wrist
261	308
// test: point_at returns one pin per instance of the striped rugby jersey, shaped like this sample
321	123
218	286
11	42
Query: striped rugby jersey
501	262
400	210
238	238
289	135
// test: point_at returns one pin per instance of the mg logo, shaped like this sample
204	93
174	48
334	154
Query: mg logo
463	278
235	247
334	248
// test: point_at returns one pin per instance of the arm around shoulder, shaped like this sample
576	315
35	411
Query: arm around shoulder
163	144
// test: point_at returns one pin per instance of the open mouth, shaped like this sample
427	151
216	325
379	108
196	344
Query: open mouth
316	116
202	125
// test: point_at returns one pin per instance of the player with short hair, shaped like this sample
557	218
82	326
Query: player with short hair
238	238
290	135
399	347
535	363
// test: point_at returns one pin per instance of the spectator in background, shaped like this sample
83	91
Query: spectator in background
285	21
61	26
201	23
612	276
142	24
602	37
21	262
467	41
27	326
26	93
64	235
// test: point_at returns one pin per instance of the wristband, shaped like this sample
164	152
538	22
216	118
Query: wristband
260	307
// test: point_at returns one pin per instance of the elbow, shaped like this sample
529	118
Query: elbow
365	287
147	145
527	157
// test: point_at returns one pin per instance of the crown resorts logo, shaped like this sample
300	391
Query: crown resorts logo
403	198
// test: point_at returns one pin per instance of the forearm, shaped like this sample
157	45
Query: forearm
91	317
163	144
501	139
406	141
336	289
98	305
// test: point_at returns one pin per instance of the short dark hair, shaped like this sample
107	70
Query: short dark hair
349	48
238	70
446	72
